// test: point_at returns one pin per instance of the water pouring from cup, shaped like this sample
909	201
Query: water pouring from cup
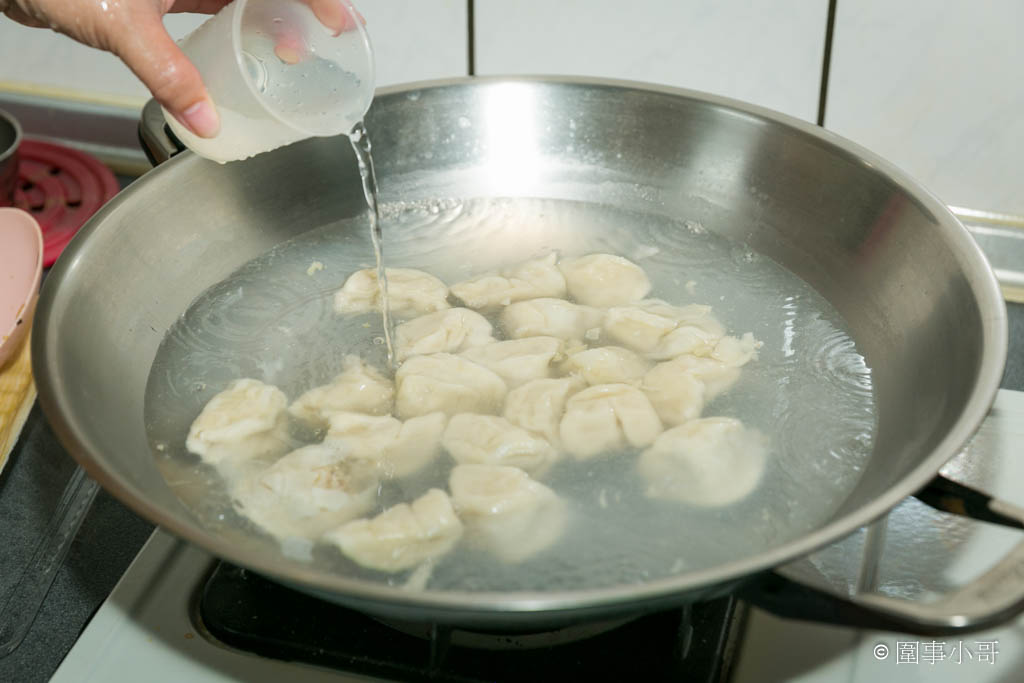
279	71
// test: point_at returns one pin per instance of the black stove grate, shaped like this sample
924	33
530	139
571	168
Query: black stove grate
247	612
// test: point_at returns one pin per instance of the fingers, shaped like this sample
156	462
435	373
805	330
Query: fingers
331	13
198	6
337	15
175	83
21	16
290	48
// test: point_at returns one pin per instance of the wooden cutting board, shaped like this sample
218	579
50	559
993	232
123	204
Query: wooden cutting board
17	394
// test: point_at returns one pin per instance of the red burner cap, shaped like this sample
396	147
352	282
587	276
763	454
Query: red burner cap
62	188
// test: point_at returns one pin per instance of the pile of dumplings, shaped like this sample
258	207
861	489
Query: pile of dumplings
506	374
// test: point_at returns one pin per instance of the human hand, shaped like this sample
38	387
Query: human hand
134	31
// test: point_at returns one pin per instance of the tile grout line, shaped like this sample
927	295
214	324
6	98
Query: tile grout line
471	38
826	62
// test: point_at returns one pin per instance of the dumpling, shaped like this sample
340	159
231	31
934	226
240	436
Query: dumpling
399	448
410	292
448	331
607	365
608	417
530	280
716	376
736	352
402	536
604	280
245	422
677	395
517	361
718	372
492	440
448	384
506	512
552	318
307	492
712	461
664	331
359	388
538	406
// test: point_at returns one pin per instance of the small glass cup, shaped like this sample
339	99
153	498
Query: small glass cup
277	75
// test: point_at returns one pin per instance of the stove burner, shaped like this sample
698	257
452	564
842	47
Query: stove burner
62	188
247	612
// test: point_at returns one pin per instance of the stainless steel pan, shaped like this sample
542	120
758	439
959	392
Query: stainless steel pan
917	294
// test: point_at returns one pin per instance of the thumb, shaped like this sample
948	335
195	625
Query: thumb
162	67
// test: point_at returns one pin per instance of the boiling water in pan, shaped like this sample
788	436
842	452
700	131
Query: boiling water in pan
809	390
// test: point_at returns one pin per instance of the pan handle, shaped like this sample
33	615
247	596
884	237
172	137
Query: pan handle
156	138
992	599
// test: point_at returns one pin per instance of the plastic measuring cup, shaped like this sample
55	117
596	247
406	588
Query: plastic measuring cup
277	75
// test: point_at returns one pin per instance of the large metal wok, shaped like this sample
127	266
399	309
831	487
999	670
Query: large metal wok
916	292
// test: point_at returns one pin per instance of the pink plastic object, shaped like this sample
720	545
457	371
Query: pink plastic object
62	188
21	269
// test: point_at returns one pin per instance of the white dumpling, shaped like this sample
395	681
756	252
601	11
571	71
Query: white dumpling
608	417
506	512
716	376
677	395
403	536
607	365
400	449
307	492
736	351
448	331
538	405
712	461
492	440
517	361
359	388
551	318
719	371
245	423
662	331
530	280
445	383
410	292
604	280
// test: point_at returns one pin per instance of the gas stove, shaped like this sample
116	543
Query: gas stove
180	611
178	614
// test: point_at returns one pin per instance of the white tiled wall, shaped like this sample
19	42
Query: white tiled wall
768	52
416	40
937	87
413	40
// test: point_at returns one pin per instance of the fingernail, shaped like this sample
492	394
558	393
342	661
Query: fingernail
202	119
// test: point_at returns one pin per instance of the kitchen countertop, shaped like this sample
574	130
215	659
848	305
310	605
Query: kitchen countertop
111	535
